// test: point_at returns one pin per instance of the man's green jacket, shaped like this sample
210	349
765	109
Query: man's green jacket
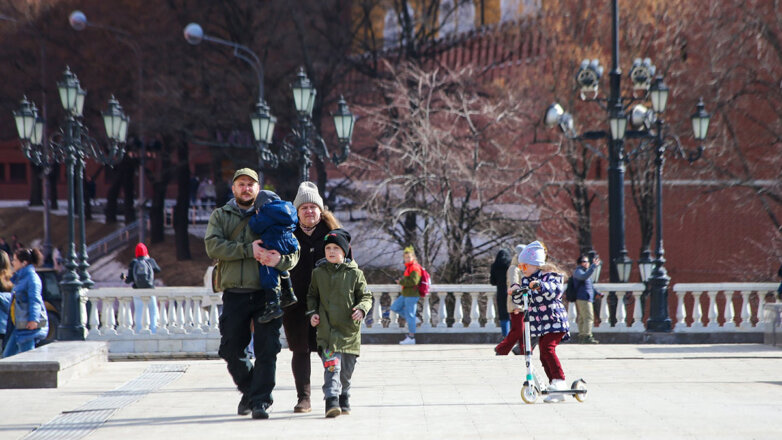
238	268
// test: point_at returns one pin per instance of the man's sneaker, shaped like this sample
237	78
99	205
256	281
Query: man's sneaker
261	410
244	405
273	311
589	339
344	403
332	407
516	350
556	385
407	341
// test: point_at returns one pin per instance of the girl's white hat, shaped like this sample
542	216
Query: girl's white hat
533	254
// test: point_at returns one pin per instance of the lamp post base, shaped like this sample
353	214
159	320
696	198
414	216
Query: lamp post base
659	320
73	313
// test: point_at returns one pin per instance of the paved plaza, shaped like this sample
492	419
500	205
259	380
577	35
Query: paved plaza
427	392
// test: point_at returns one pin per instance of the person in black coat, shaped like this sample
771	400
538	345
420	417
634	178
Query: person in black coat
498	277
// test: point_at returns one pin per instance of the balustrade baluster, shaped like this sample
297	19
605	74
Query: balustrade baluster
491	310
441	310
377	310
730	311
474	311
426	312
94	322
605	325
145	330
621	313
126	315
681	314
162	319
638	313
458	313
746	310
697	312
713	311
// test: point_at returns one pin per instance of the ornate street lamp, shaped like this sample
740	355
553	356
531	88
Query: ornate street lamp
644	87
72	145
304	139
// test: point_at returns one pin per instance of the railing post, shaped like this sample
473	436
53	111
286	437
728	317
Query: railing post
474	311
458	313
746	310
442	312
713	311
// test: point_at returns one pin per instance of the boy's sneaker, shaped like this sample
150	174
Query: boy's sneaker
556	385
244	406
516	350
261	410
332	407
344	404
407	341
273	311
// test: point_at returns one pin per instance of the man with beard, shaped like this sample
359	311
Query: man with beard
238	250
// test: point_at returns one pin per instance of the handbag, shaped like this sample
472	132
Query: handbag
216	280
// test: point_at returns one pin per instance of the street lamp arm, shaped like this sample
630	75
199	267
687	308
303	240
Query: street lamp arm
194	35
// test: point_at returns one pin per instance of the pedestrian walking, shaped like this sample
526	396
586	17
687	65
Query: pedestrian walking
238	250
585	297
314	223
6	271
337	302
547	315
28	311
498	276
141	275
407	301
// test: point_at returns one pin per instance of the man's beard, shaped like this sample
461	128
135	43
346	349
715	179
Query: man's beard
245	205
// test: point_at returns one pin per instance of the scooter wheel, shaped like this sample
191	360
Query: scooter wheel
579	385
529	393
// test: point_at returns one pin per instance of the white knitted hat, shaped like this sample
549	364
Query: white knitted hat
533	254
308	193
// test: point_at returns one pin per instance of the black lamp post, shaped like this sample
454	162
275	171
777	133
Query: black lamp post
658	278
304	139
641	75
71	145
588	78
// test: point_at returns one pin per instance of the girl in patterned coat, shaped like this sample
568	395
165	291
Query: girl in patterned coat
547	315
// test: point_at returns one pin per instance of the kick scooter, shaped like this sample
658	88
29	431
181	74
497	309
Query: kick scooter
533	387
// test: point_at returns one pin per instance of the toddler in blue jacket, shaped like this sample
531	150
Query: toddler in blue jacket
275	220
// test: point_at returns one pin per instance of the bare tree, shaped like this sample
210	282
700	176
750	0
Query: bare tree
462	153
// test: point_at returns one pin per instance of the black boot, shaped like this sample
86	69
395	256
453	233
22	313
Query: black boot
273	310
332	407
344	403
287	297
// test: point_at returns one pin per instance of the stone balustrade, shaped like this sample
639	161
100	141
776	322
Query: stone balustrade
188	316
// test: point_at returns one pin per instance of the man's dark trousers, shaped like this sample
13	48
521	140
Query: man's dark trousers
239	310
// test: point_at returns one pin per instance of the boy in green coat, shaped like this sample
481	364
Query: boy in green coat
337	302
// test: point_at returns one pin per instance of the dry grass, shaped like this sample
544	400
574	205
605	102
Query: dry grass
28	227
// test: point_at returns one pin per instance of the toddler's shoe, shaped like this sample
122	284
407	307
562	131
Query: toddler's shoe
287	298
273	311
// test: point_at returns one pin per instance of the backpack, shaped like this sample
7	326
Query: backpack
143	275
426	281
570	290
